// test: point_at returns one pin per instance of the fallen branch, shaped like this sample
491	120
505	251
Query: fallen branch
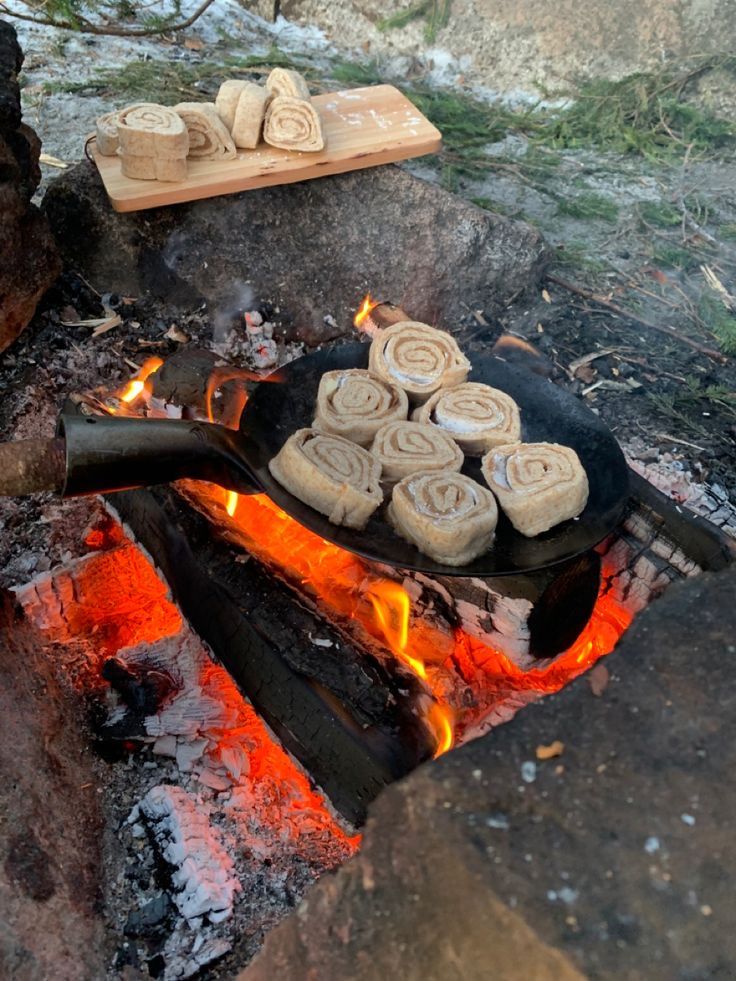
601	301
84	26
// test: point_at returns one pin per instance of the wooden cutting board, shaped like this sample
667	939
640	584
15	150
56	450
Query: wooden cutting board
362	128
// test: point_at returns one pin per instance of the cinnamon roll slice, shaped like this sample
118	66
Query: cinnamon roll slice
149	130
293	124
249	115
446	515
404	448
477	416
285	81
354	404
418	358
209	138
334	476
538	485
107	133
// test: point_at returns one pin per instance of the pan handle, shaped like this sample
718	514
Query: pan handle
109	454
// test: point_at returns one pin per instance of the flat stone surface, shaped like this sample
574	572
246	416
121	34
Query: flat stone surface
313	249
615	859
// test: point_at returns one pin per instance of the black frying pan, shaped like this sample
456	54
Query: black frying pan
106	453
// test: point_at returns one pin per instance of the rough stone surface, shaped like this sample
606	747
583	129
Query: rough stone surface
30	261
614	859
50	822
512	45
313	249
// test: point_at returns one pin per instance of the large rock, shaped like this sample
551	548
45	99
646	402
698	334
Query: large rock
532	45
51	826
30	261
312	248
615	860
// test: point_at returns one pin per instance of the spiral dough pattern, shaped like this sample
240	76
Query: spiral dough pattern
446	515
538	485
477	416
403	448
356	405
418	358
334	476
293	124
209	137
150	130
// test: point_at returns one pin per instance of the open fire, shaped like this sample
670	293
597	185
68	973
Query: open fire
374	669
465	684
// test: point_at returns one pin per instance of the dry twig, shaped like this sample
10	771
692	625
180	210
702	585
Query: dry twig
628	315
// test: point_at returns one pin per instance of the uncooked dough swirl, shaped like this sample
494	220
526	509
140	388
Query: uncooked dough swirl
331	474
446	515
354	404
538	485
477	416
418	358
403	448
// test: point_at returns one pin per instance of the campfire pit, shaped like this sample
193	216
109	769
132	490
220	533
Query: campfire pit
332	675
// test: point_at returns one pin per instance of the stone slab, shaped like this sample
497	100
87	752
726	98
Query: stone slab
615	859
313	249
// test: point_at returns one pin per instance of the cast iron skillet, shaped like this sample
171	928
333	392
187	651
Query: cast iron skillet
106	454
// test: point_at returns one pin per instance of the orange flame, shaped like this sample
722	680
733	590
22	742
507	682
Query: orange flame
231	502
136	385
441	719
230	417
365	308
392	606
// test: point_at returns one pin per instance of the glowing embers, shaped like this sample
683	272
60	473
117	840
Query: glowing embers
112	604
472	685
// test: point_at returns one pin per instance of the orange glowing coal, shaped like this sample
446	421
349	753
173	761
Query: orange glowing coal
136	385
365	308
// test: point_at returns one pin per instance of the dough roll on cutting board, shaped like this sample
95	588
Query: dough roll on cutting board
209	137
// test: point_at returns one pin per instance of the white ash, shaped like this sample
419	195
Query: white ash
676	480
251	341
203	877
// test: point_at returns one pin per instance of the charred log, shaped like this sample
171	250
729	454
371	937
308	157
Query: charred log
348	722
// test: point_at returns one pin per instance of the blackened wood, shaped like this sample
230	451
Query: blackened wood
30	466
349	759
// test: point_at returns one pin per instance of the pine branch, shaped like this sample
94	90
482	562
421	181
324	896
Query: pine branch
84	26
